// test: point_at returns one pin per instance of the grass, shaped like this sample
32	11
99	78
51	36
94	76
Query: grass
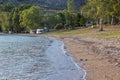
109	32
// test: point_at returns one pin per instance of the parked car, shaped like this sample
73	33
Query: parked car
88	24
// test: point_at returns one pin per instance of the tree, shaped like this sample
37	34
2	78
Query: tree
50	20
67	17
71	6
31	18
82	20
15	20
77	20
15	17
6	7
113	10
62	17
58	19
103	10
96	9
4	21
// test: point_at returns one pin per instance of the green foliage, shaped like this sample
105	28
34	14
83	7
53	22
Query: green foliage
15	20
71	6
23	7
31	18
67	17
59	26
6	7
50	20
4	21
15	17
104	9
82	20
62	17
66	26
27	17
58	18
77	20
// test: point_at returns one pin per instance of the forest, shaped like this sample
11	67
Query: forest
26	17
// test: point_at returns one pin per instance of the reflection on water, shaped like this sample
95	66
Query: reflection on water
32	58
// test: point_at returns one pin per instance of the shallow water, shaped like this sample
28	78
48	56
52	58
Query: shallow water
35	58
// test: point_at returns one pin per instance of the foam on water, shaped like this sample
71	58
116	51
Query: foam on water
64	64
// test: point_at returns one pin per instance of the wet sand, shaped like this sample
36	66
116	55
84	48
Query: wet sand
100	58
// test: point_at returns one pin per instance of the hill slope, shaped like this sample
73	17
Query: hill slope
52	4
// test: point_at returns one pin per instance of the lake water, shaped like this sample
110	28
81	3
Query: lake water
36	58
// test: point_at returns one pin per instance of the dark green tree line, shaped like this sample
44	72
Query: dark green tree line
27	17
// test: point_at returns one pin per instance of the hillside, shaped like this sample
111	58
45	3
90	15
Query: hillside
51	4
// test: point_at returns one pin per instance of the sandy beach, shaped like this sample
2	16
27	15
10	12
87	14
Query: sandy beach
100	57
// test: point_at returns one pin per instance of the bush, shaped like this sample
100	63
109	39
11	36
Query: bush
58	26
67	26
70	27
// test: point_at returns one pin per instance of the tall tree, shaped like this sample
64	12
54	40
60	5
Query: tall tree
62	17
50	20
114	8
103	9
4	21
15	16
77	20
6	7
96	9
67	17
71	6
15	20
31	18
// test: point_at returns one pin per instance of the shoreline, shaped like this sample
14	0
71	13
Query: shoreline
79	65
97	62
96	65
74	71
66	52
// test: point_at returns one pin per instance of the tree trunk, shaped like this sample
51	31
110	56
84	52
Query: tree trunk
112	20
97	22
108	21
101	27
119	21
